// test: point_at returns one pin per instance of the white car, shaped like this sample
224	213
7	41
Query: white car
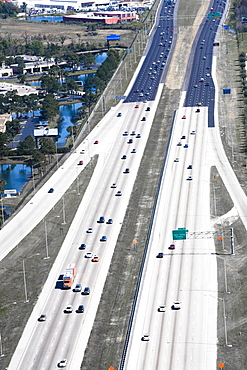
90	230
62	363
69	309
145	337
162	308
77	288
189	178
176	305
176	160
89	255
114	185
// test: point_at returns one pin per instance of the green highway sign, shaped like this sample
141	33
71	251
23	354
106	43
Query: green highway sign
217	15
179	234
210	15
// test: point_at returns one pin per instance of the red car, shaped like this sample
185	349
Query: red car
96	142
137	106
172	246
184	117
80	163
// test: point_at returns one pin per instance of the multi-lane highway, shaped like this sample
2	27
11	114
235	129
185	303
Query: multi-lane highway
178	339
184	338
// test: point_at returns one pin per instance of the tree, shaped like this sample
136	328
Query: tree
71	85
3	144
35	47
49	107
50	84
12	128
26	146
72	59
47	145
87	59
2	183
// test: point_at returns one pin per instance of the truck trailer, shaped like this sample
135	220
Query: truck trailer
69	276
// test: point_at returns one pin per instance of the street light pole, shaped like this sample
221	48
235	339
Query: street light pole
1	346
46	243
2	211
64	222
25	284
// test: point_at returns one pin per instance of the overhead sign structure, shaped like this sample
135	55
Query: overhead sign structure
180	233
120	97
217	15
112	37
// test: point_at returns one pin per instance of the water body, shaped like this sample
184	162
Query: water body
16	175
67	112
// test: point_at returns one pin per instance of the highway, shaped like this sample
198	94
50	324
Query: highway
179	339
184	338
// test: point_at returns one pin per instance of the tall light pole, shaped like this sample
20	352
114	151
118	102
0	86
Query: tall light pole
24	279
46	243
2	211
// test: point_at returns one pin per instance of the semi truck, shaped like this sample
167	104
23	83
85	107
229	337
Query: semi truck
69	276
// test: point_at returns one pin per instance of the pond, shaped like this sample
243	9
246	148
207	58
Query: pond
16	175
48	18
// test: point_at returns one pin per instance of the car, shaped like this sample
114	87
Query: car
137	106
125	133
208	74
119	114
101	220
127	170
82	246
183	137
68	309
118	194
141	95
207	84
195	86
189	167
124	156
143	119
199	104
136	90
103	238
201	79
193	132
171	246
42	317
198	110
204	58
176	160
89	230
82	151
162	308
114	185
189	178
96	142
130	141
80	163
179	143
110	221
86	291
145	337
176	305
80	309
77	288
62	363
138	136
184	117
88	255
133	133
160	255
186	145
95	258
51	190
133	151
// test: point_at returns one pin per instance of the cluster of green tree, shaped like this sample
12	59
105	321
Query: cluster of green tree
238	11
94	86
12	102
8	9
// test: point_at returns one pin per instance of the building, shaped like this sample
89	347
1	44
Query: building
3	119
20	89
34	64
91	18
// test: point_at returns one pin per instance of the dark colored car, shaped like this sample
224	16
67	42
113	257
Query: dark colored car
86	291
148	109
80	309
82	246
130	141
143	119
110	221
189	167
160	255
119	115
127	170
103	238
124	156
51	190
80	163
101	220
172	246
